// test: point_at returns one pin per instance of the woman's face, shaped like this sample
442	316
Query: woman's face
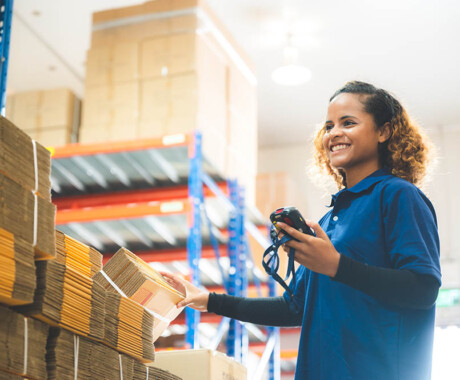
351	137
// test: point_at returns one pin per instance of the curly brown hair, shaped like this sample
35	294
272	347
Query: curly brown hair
406	152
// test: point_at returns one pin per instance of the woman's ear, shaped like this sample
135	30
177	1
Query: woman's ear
385	132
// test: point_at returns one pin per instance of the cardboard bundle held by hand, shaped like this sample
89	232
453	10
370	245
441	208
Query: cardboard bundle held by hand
135	279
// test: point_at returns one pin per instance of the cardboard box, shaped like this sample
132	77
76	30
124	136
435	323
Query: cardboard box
57	108
142	284
171	55
200	364
51	137
44	115
187	80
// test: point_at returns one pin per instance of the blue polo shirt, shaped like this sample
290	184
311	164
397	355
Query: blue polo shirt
387	222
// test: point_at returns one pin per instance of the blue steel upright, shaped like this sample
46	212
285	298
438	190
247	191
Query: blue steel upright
242	268
237	338
6	12
274	364
195	190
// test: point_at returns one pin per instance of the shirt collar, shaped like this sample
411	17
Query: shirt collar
364	184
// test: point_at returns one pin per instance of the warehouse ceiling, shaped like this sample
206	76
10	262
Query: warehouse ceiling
409	47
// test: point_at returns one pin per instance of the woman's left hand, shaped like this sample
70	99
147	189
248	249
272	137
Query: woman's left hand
316	253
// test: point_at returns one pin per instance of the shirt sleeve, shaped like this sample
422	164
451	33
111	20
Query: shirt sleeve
273	311
398	287
411	232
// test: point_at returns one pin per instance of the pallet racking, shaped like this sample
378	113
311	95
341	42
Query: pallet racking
153	196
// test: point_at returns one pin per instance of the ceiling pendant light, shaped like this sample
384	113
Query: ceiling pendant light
291	73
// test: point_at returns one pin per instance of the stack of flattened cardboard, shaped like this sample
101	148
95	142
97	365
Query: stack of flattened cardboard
153	373
70	356
68	299
9	376
17	159
18	206
70	252
129	327
48	116
25	190
143	284
17	270
23	342
167	67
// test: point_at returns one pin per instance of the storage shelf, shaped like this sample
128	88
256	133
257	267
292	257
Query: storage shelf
132	165
136	194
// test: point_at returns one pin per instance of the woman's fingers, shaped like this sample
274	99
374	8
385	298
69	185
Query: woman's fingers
317	229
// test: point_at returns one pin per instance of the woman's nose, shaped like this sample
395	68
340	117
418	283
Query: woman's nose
335	131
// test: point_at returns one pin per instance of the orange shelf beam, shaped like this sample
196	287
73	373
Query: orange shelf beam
121	211
70	150
128	197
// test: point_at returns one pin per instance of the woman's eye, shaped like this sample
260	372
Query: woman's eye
328	127
348	123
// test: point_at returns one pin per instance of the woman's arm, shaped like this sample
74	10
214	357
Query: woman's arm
398	287
273	311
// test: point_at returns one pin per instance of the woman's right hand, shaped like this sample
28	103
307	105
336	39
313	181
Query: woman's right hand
195	297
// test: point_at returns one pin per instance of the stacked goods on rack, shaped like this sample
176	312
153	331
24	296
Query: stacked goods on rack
129	327
48	116
25	190
166	67
17	270
23	342
66	298
74	254
127	274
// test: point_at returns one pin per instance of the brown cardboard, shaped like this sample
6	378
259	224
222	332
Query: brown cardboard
57	108
157	6
200	364
187	80
171	54
51	137
26	108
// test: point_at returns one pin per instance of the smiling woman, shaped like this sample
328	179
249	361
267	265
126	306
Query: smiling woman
379	120
368	280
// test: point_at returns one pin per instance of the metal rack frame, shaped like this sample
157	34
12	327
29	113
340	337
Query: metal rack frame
6	12
237	340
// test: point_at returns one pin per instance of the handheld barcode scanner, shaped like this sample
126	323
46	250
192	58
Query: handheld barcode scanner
291	216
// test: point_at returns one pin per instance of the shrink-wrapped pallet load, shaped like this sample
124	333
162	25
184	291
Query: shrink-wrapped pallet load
170	67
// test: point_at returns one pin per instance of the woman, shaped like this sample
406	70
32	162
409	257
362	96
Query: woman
368	281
